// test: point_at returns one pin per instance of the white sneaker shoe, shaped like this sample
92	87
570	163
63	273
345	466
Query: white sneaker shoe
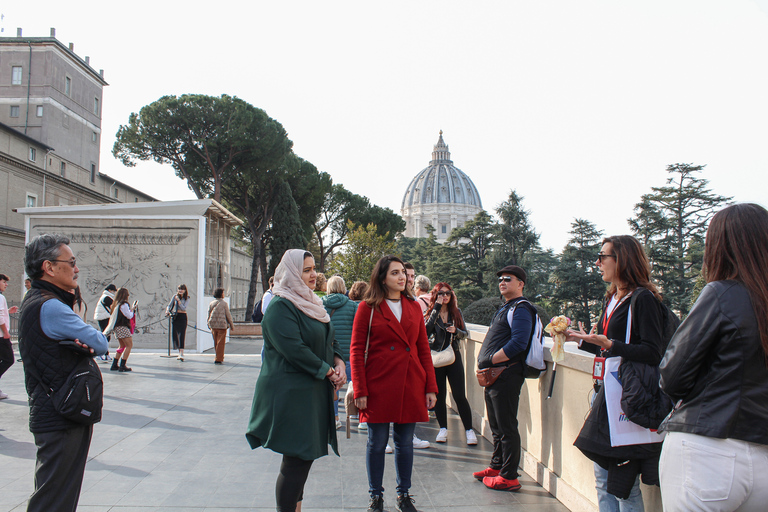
471	437
363	426
419	444
3	396
388	449
442	436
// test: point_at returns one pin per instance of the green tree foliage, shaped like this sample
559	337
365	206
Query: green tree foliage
580	287
481	311
515	236
473	242
540	289
365	246
309	187
205	138
672	221
285	231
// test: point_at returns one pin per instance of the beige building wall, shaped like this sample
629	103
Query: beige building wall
548	427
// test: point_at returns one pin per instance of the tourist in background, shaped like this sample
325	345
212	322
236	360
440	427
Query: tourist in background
445	328
302	366
219	318
342	313
102	312
122	312
422	288
394	380
177	309
80	307
6	348
321	288
357	290
715	453
625	266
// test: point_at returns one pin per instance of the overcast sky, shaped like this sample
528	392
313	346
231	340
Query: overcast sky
578	106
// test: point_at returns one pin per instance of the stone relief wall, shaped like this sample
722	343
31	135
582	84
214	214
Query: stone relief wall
149	257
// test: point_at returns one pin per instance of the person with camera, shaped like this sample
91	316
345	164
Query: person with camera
46	320
123	312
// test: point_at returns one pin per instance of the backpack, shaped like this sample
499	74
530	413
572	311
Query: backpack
534	358
257	315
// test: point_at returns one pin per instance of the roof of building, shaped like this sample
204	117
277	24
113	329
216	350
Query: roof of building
25	137
441	182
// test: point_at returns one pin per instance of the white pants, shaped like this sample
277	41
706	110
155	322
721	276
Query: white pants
708	474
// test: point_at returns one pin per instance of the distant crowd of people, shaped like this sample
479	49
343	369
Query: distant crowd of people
696	395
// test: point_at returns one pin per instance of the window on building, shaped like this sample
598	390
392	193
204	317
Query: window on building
32	154
96	106
68	86
14	111
39	111
135	199
93	172
444	228
115	192
16	75
31	200
62	168
94	137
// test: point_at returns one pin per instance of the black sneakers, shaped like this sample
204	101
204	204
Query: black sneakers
377	504
405	503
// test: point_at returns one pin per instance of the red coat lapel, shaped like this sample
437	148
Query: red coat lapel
393	322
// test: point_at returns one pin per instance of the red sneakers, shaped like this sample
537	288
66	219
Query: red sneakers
484	473
499	483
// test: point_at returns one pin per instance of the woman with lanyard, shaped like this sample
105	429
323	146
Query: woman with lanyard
292	411
177	308
625	266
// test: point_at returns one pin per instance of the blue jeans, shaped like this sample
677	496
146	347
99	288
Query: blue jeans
607	502
378	435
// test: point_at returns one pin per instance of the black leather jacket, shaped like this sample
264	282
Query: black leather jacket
436	327
715	368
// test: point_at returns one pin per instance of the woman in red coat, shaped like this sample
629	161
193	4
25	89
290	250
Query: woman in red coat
393	375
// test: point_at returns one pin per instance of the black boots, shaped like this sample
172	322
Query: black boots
114	367
124	368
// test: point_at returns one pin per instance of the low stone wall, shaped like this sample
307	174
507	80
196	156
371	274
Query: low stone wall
246	329
548	427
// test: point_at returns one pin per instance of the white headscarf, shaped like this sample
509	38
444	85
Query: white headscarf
290	286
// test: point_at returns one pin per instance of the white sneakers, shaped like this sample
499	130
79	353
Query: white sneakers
420	444
362	426
388	449
3	396
442	436
471	437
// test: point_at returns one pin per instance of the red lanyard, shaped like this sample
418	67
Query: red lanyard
607	318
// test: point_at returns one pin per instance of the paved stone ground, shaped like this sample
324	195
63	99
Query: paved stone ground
172	439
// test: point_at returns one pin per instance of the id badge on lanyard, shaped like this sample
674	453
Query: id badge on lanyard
598	368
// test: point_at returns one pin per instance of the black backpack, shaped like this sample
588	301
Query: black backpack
257	315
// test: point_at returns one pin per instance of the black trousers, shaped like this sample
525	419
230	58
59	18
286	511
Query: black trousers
455	375
179	330
103	325
6	355
61	458
501	401
289	489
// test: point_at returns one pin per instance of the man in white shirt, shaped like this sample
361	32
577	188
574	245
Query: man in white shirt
6	349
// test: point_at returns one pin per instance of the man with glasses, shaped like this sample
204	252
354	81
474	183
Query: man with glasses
46	319
505	346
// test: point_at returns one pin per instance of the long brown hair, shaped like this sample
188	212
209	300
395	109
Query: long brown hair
453	309
633	269
120	297
737	248
377	291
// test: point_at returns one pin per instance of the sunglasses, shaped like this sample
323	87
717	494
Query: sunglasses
443	294
506	279
601	256
71	262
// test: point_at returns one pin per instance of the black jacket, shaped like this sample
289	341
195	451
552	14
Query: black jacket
715	367
439	338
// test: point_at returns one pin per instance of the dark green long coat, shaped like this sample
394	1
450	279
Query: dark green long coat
292	410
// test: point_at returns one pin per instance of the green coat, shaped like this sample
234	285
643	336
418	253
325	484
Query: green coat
292	411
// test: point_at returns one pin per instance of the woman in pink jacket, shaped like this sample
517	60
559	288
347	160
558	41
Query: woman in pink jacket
393	375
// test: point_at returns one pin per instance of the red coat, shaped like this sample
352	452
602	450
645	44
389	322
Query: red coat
399	371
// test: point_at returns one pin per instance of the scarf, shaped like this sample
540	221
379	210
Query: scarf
290	286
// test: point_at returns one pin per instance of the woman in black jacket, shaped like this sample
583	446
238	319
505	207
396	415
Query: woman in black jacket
625	266
715	454
445	328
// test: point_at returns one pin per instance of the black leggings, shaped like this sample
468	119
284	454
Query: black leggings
6	355
455	374
289	489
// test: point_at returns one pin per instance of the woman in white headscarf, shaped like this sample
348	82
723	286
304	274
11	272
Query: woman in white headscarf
302	366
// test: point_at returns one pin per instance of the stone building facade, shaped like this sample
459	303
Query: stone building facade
441	195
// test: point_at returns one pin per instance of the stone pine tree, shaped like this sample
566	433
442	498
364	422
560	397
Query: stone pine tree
672	221
286	231
579	287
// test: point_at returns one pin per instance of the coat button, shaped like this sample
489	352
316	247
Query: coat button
391	348
407	349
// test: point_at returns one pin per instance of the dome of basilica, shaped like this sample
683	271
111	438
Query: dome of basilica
440	195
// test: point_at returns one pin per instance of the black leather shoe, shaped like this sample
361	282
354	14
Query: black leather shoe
405	503
377	504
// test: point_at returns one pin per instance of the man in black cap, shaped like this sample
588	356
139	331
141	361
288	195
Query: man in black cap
505	346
